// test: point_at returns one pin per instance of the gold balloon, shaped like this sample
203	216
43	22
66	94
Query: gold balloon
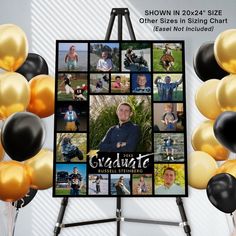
41	169
226	94
14	181
228	167
203	139
225	50
201	167
14	93
2	152
13	47
42	95
206	101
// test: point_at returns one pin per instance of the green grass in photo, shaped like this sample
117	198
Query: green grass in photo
157	66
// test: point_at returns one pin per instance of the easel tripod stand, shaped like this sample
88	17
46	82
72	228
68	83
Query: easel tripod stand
120	12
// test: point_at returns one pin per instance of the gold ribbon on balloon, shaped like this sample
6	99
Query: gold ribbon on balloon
203	139
42	95
14	181
41	169
14	94
13	47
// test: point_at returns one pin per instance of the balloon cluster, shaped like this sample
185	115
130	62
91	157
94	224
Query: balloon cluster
213	139
26	95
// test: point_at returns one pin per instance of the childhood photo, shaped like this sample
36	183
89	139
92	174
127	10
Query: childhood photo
70	180
72	87
167	57
72	57
104	57
136	57
71	147
169	147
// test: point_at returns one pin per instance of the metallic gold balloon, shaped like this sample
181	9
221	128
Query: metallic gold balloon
226	94
228	167
206	101
201	167
14	181
2	152
203	139
13	47
42	95
225	50
14	94
225	166
41	169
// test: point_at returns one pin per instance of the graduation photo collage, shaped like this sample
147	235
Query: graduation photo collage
125	99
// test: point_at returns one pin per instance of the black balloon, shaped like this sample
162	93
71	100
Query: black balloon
225	129
221	191
22	135
34	65
26	199
205	64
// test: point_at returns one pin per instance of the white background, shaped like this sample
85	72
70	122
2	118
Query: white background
45	21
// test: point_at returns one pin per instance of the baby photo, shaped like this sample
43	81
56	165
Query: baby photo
99	83
104	57
71	147
169	147
141	83
142	184
168	87
136	57
72	57
98	184
72	87
167	57
168	117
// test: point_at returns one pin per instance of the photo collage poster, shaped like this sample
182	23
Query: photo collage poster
120	121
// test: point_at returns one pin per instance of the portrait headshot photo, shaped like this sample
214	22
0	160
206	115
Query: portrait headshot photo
120	184
168	87
72	57
99	83
72	87
169	117
135	57
142	184
169	147
104	57
141	83
70	180
71	147
98	184
167	57
120	123
169	179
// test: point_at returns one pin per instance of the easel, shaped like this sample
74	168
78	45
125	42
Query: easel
120	12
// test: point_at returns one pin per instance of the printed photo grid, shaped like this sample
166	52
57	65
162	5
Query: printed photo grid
120	119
